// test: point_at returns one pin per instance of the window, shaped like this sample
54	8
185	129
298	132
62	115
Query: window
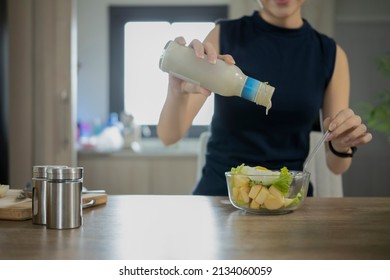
145	84
137	38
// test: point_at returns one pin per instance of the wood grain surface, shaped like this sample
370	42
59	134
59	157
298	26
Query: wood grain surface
197	227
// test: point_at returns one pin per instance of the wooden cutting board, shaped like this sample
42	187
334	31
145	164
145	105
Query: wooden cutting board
94	199
12	208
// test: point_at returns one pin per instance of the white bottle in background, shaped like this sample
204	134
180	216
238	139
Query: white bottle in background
221	78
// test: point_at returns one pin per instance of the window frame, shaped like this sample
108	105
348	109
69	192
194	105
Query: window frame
120	15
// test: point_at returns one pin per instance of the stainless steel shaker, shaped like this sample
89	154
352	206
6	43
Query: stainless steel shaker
64	202
39	179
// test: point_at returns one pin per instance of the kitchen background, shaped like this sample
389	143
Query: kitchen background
60	74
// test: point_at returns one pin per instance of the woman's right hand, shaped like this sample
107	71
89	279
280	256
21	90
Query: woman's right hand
181	107
200	49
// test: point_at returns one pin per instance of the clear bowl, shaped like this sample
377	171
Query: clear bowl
247	192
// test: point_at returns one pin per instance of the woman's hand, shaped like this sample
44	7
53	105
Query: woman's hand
201	50
346	130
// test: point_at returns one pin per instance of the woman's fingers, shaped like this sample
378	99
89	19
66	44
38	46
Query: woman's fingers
198	47
227	58
180	40
190	87
337	121
211	52
347	129
201	50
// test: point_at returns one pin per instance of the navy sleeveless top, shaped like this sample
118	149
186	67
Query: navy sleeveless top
299	63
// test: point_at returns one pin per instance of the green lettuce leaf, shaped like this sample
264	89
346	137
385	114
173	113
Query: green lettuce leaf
237	170
282	183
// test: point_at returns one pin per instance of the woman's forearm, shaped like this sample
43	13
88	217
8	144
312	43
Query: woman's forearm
171	126
337	164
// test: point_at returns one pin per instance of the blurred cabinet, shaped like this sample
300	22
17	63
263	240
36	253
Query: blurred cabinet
42	84
132	173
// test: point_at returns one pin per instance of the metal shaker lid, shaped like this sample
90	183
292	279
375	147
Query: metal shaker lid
67	173
40	171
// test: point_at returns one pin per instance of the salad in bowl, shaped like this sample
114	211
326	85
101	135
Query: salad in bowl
263	191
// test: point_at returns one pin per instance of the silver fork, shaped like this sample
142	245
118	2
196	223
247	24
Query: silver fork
314	151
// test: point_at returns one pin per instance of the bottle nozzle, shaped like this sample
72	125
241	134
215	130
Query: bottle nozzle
264	95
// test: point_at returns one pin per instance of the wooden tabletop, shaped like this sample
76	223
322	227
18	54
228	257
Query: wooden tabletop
198	227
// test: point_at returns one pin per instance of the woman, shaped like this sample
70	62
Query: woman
310	73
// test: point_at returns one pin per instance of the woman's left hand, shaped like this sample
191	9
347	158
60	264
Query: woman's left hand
346	130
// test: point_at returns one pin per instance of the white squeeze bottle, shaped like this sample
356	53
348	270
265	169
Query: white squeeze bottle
221	78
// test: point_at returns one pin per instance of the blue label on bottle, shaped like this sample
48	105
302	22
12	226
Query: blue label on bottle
250	89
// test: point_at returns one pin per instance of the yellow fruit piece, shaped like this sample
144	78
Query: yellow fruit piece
276	192
245	188
261	168
254	191
235	193
240	181
273	202
244	195
254	205
262	196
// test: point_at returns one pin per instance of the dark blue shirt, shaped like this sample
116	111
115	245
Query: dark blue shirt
299	63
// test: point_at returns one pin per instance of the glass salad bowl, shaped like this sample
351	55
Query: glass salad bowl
262	191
